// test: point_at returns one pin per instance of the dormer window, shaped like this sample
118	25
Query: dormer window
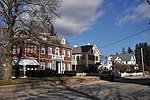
30	49
43	36
63	41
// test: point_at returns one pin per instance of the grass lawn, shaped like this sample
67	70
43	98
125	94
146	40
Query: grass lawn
37	79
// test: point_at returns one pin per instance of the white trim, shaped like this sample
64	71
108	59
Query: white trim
63	53
68	53
43	50
50	51
25	62
57	53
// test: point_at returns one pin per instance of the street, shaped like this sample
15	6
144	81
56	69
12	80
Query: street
119	89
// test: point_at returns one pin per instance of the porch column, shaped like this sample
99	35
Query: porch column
75	62
24	71
61	67
54	65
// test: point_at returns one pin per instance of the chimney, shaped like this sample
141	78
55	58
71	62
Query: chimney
75	46
88	44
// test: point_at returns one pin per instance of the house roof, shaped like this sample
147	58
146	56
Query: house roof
81	49
124	57
44	39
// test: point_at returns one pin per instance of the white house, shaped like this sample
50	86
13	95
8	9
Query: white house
125	59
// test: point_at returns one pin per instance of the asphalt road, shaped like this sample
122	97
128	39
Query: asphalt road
119	89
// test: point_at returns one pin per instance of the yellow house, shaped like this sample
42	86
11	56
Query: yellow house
86	58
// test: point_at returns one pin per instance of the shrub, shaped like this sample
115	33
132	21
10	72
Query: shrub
40	73
70	73
79	71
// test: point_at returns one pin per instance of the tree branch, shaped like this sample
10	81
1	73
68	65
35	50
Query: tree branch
148	2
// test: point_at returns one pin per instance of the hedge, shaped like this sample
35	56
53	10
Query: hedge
70	73
40	73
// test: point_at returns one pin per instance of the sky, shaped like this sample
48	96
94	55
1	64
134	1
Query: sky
102	22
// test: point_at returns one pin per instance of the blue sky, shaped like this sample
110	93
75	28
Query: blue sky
102	22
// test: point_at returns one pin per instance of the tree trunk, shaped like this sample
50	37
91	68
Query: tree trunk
8	67
9	42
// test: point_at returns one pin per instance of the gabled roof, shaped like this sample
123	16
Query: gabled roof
76	50
86	48
81	49
124	57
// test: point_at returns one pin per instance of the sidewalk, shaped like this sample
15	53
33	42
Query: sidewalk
15	94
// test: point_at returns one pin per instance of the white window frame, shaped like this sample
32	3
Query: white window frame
57	53
43	65
43	49
49	65
63	53
14	50
73	57
63	41
68	67
30	49
50	51
68	53
18	50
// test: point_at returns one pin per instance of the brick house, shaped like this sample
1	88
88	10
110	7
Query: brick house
51	53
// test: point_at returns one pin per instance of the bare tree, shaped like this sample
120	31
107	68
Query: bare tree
148	2
25	15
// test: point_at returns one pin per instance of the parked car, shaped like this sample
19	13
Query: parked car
107	75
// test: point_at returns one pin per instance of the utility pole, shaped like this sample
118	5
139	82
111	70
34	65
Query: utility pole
142	62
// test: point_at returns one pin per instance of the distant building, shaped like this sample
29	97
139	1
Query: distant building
124	59
85	58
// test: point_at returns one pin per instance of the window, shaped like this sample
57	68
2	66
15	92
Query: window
18	50
73	57
49	51
78	57
30	49
43	50
57	51
63	41
42	65
69	67
97	58
68	53
14	51
63	53
49	65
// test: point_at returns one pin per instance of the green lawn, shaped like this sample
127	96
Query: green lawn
35	79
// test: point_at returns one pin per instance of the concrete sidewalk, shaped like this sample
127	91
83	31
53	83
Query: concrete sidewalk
16	94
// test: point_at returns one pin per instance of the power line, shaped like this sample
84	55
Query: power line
124	38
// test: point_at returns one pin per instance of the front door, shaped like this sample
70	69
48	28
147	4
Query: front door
58	67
